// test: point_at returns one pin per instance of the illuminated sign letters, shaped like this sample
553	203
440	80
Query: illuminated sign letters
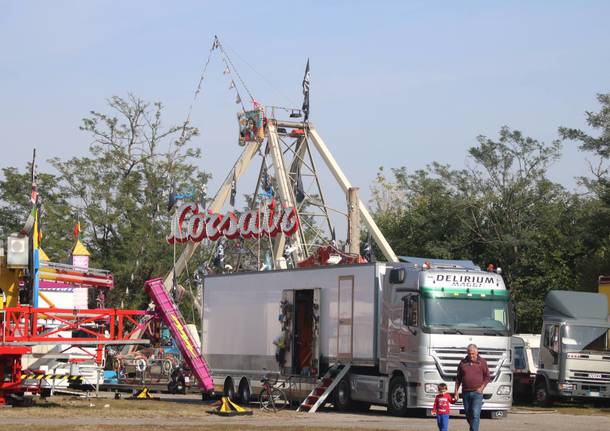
192	223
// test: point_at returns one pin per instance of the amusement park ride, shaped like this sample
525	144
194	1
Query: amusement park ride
24	324
288	207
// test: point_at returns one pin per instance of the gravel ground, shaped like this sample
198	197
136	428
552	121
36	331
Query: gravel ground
189	413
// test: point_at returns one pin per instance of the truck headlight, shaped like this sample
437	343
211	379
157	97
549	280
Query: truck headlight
568	387
503	390
430	388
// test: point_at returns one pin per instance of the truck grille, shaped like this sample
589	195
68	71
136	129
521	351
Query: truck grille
447	360
593	388
589	376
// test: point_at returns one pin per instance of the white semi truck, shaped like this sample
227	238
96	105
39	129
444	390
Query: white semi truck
401	328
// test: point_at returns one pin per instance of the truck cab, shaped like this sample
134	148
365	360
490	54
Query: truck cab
441	308
574	348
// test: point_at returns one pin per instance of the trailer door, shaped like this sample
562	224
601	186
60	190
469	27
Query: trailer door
303	328
346	316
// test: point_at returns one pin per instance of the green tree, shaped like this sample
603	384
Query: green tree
55	215
121	191
596	219
418	213
502	209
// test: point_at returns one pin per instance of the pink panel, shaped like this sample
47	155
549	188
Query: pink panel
172	317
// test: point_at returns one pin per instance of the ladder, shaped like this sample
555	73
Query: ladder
317	397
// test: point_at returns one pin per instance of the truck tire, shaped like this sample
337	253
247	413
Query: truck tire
541	394
341	396
244	392
229	389
397	397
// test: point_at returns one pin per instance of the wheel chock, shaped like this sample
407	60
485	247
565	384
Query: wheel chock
142	394
226	407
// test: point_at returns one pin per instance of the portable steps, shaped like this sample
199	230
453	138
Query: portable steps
317	397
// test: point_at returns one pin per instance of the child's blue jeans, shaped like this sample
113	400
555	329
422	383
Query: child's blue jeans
443	422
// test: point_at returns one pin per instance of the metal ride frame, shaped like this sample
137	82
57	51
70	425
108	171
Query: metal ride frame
29	326
285	183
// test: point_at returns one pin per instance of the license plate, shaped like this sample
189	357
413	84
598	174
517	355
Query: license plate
594	394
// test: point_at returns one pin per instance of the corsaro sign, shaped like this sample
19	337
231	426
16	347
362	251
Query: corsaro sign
193	223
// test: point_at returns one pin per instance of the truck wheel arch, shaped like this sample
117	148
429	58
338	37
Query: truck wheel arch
542	384
540	380
397	373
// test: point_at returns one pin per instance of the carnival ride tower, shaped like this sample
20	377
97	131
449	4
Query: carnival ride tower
289	175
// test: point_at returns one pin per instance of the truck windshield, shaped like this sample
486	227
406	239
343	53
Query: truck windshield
474	315
584	338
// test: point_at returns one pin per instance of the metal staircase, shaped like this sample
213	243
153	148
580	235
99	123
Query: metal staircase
317	397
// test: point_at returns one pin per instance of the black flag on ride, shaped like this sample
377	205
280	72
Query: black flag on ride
306	80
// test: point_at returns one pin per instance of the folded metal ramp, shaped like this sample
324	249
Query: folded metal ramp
172	317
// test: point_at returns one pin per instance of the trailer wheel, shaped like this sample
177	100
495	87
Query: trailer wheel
341	396
244	392
229	389
541	392
397	397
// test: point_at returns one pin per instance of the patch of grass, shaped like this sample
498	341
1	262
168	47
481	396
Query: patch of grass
61	407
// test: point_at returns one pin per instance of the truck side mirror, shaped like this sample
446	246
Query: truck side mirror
397	276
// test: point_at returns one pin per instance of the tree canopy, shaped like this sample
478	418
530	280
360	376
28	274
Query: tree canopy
119	193
504	210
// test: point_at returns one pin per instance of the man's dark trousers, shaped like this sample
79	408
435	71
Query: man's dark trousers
473	402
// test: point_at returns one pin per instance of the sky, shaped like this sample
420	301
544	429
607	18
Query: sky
393	83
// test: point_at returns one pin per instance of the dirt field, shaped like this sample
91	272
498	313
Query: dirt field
189	413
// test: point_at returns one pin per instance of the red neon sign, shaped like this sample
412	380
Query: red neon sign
192	223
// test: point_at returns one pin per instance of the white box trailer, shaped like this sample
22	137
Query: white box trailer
243	316
401	327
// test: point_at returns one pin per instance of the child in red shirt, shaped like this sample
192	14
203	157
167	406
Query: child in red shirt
442	407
